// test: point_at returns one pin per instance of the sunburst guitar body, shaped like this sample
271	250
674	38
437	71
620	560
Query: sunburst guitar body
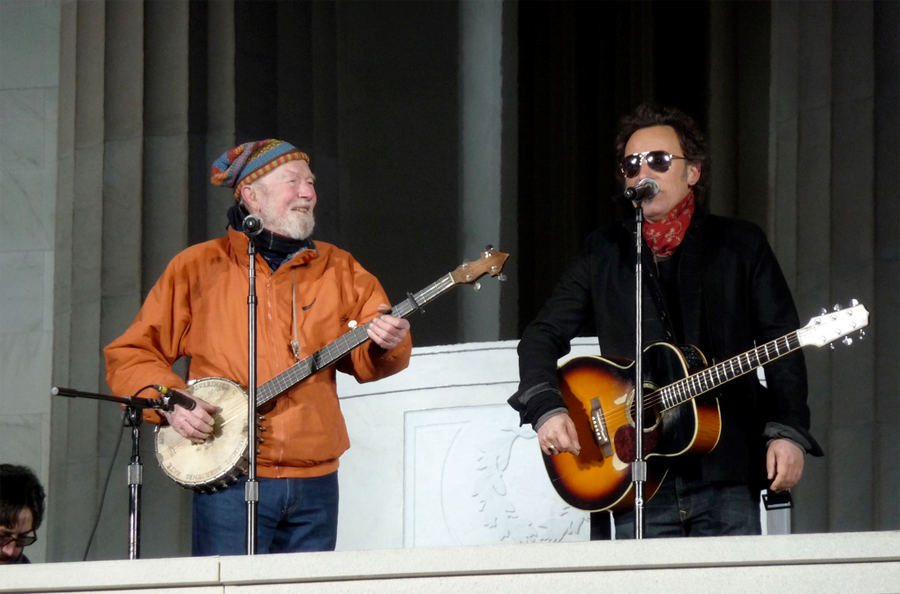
680	416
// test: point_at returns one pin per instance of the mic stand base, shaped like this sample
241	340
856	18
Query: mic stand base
134	417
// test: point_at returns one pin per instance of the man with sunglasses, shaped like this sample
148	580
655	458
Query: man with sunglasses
21	512
709	281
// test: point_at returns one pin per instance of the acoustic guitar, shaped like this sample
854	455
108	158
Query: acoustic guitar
680	417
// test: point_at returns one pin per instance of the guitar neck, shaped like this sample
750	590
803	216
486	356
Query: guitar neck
330	353
712	377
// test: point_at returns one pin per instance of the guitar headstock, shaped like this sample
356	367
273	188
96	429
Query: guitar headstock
830	326
491	262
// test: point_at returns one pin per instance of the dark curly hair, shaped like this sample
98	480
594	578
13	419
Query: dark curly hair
20	489
689	135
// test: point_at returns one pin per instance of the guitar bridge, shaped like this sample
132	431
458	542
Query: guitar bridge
598	424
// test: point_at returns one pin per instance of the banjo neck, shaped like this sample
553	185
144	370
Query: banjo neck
331	352
491	262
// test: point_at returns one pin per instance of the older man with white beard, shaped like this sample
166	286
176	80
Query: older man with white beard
308	293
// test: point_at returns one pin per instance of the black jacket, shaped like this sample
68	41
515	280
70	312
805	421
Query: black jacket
733	297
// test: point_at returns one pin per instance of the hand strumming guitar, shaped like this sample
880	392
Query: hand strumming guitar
558	435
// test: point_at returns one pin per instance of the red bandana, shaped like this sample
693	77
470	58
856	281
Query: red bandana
666	235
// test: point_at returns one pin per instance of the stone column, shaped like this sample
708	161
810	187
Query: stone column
29	112
76	469
887	263
482	121
822	202
220	83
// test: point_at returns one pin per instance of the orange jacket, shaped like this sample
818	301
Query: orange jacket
198	309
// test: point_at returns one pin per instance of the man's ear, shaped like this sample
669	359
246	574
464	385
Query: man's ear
693	174
250	197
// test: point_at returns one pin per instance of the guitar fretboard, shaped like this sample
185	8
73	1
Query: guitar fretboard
692	386
346	343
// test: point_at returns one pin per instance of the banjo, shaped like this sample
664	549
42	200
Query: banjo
221	459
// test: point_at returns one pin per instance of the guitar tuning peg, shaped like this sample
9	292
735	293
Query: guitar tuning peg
847	340
477	286
488	247
862	334
822	311
831	345
837	307
854	303
501	277
352	324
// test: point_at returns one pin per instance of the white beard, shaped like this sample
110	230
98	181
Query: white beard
294	224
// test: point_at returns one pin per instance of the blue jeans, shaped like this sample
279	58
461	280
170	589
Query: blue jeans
683	507
293	515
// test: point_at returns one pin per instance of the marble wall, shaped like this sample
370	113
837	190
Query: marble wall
438	458
29	56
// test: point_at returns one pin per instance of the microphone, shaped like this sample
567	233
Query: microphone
252	225
172	398
645	189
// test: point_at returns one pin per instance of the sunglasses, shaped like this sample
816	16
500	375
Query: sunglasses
659	161
22	540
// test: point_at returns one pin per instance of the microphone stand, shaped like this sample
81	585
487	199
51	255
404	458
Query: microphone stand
645	189
639	466
252	226
134	410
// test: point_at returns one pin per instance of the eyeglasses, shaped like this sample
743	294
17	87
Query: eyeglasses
659	161
22	540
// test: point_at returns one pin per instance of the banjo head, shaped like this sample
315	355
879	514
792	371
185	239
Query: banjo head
222	458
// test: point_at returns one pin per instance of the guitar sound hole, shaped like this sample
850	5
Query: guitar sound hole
652	414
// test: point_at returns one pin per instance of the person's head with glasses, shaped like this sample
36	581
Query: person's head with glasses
665	144
21	511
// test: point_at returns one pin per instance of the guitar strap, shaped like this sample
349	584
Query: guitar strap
295	344
656	295
687	277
